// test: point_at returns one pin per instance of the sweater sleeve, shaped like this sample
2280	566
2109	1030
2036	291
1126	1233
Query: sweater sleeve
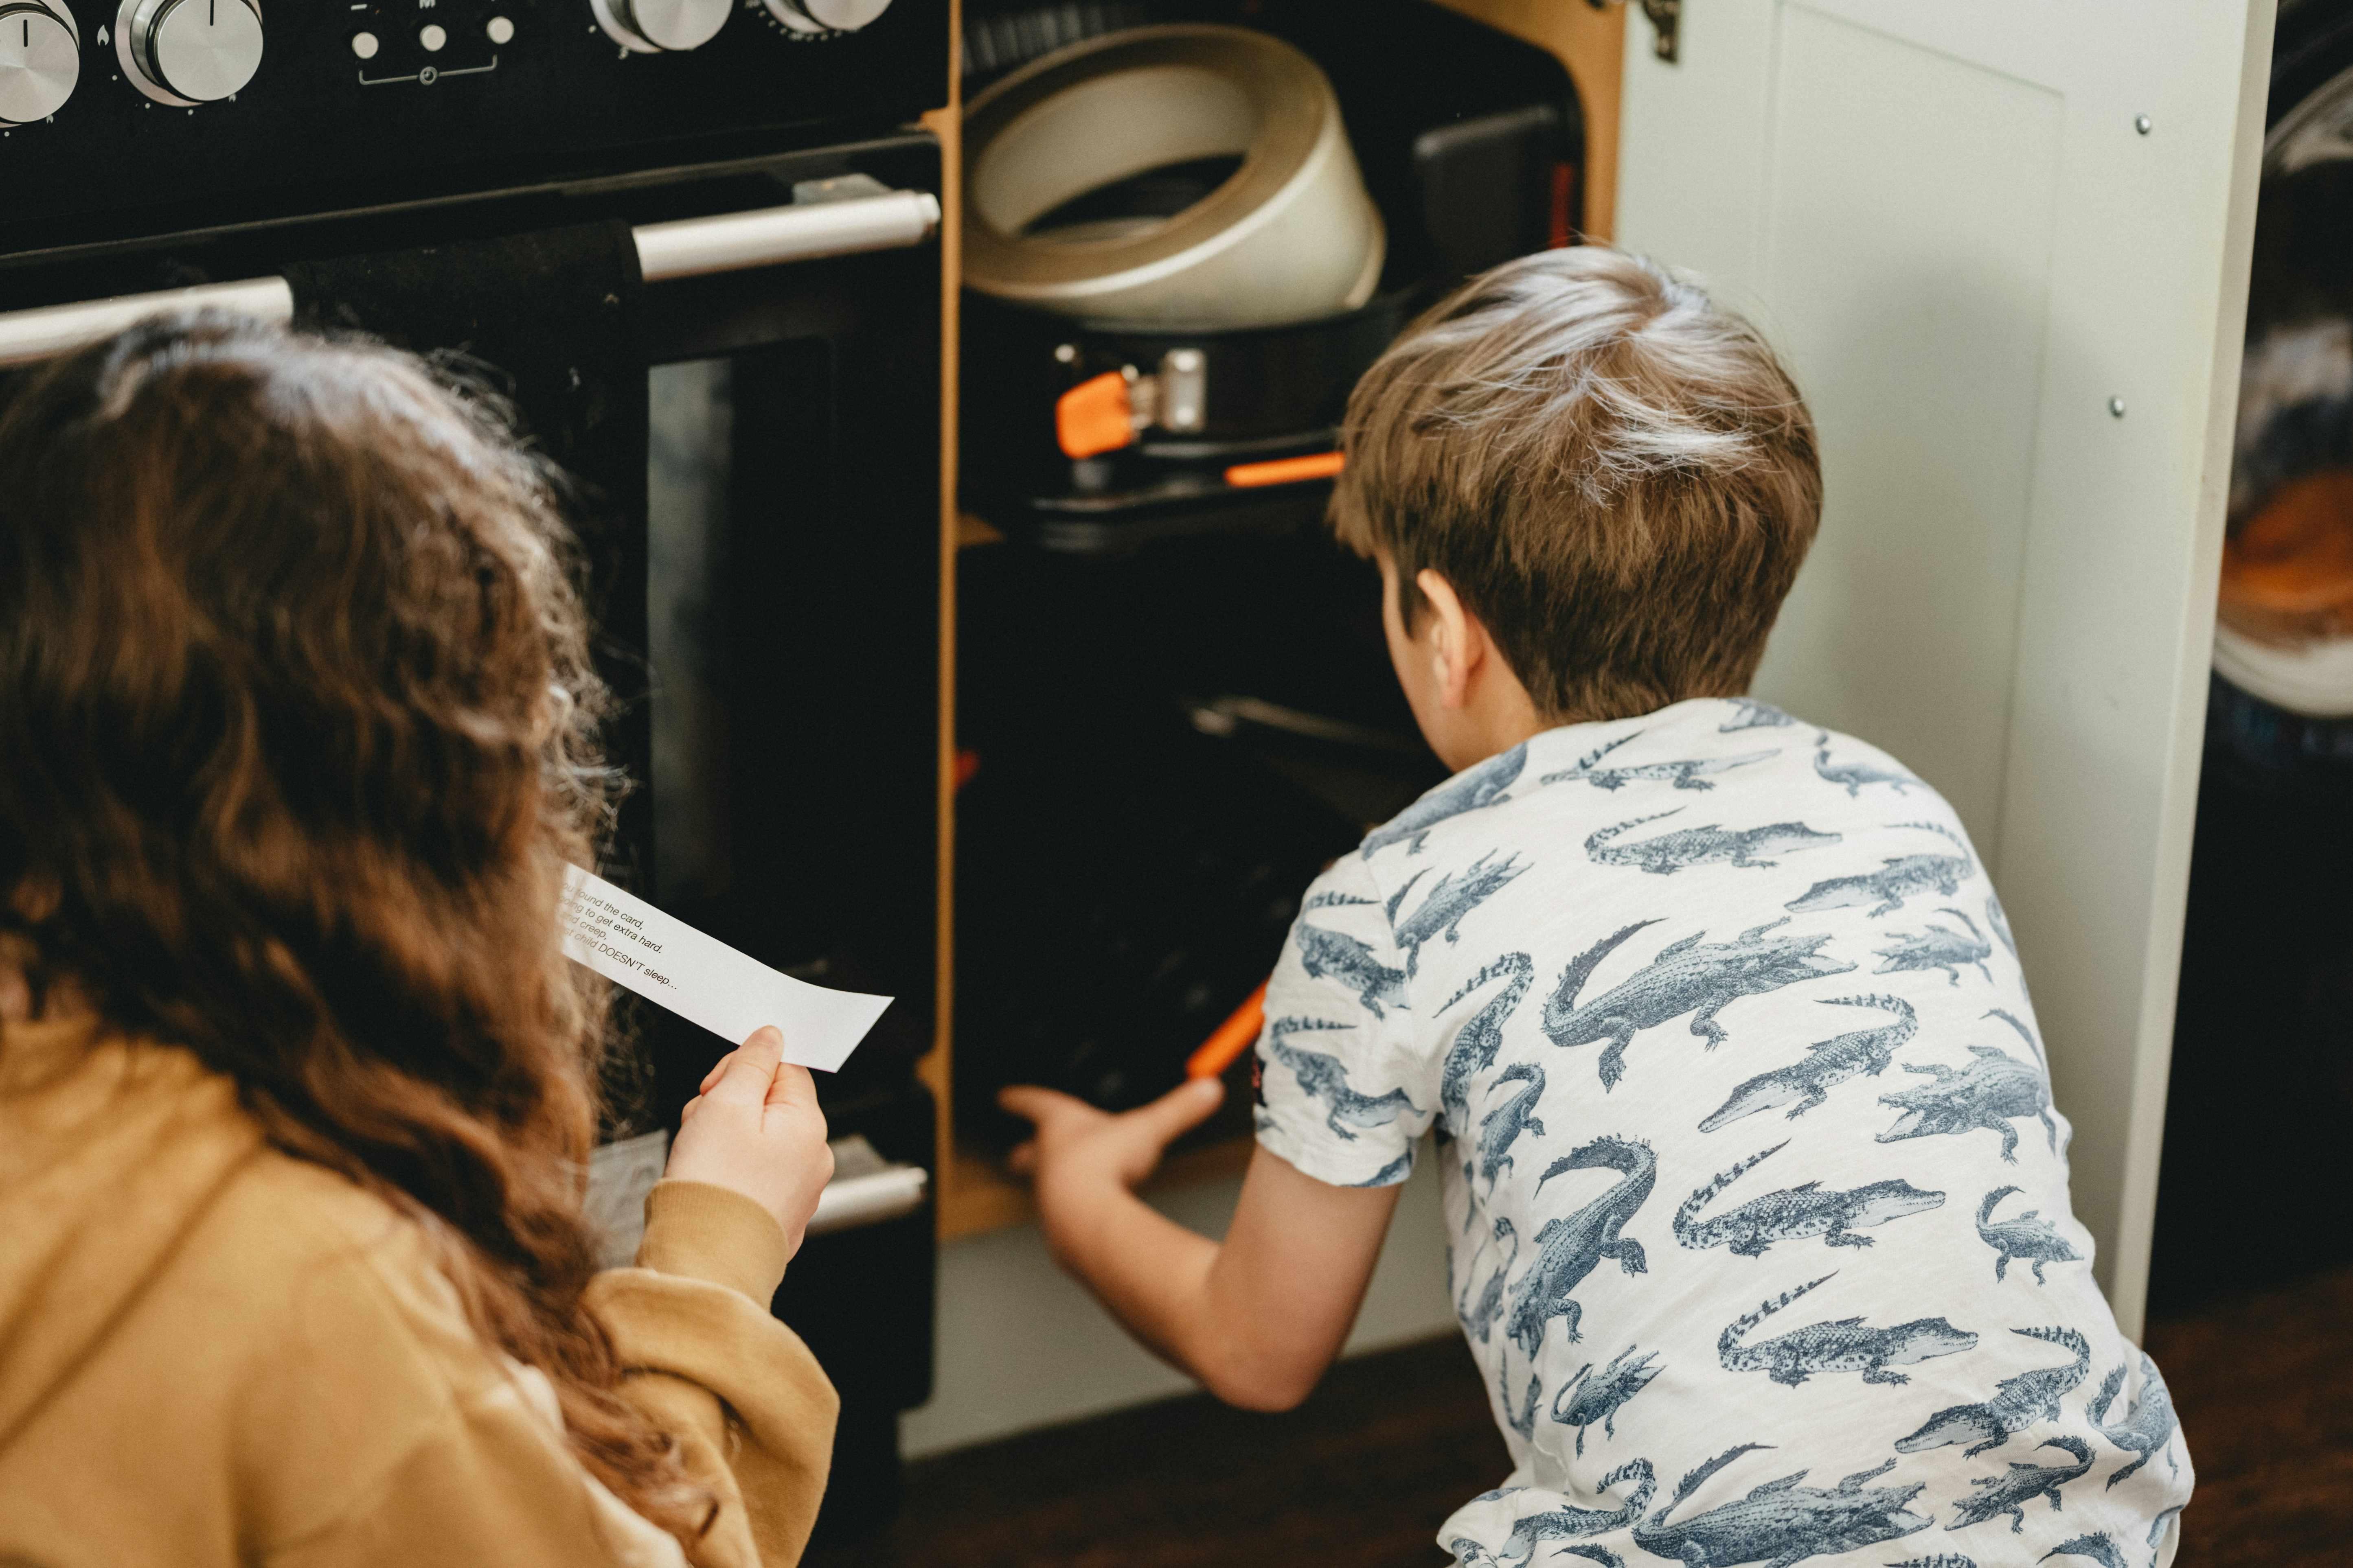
750	1406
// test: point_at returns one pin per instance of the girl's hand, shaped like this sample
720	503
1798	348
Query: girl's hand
756	1128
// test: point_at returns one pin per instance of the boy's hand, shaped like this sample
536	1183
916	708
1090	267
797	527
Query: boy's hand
1257	1318
756	1128
1079	1149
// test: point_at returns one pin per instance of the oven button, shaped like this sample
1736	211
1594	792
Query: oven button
660	26
826	16
187	52
41	59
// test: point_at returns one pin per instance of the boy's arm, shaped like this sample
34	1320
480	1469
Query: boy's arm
1258	1318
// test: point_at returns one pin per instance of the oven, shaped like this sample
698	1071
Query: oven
749	392
2262	1049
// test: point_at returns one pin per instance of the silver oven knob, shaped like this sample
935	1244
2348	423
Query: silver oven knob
41	59
826	16
187	52
662	27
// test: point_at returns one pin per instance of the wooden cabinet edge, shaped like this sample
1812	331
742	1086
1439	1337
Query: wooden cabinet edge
1592	44
936	1068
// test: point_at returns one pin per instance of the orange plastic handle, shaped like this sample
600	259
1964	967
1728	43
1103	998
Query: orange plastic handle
1092	417
1232	1037
1286	470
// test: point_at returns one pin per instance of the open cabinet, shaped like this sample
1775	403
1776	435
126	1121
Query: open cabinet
2004	247
1173	702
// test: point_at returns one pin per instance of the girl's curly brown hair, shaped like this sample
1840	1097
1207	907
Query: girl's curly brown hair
299	727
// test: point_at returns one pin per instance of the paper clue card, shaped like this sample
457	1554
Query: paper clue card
705	981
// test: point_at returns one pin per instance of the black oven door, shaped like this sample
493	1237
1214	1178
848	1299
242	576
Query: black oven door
792	578
792	632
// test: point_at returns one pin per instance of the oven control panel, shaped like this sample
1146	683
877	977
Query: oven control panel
128	119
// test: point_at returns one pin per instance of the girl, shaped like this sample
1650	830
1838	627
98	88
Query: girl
296	1087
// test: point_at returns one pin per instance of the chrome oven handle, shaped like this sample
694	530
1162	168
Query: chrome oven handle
27	336
687	248
805	231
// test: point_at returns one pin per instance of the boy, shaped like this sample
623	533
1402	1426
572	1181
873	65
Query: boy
1746	1129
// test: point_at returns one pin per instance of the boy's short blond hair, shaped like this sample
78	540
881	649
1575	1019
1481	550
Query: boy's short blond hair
1614	472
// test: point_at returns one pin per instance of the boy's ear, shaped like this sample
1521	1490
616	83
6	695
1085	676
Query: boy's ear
1458	640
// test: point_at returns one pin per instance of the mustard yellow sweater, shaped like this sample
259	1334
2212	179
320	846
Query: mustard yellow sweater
212	1354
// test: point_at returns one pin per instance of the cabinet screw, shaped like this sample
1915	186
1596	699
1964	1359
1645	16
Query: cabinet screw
2117	406
2143	124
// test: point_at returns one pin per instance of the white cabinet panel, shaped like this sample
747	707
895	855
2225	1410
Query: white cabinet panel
1950	219
1909	275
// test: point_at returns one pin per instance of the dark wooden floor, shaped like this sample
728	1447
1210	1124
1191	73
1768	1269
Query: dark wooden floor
1361	1475
2266	1391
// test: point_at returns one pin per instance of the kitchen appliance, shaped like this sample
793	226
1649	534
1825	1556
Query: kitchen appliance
768	587
2263	1058
1173	685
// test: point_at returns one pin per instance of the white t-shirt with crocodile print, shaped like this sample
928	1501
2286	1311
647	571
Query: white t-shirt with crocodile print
1757	1203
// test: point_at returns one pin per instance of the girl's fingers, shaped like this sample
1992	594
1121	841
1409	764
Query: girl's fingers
746	1074
766	1035
792	1086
